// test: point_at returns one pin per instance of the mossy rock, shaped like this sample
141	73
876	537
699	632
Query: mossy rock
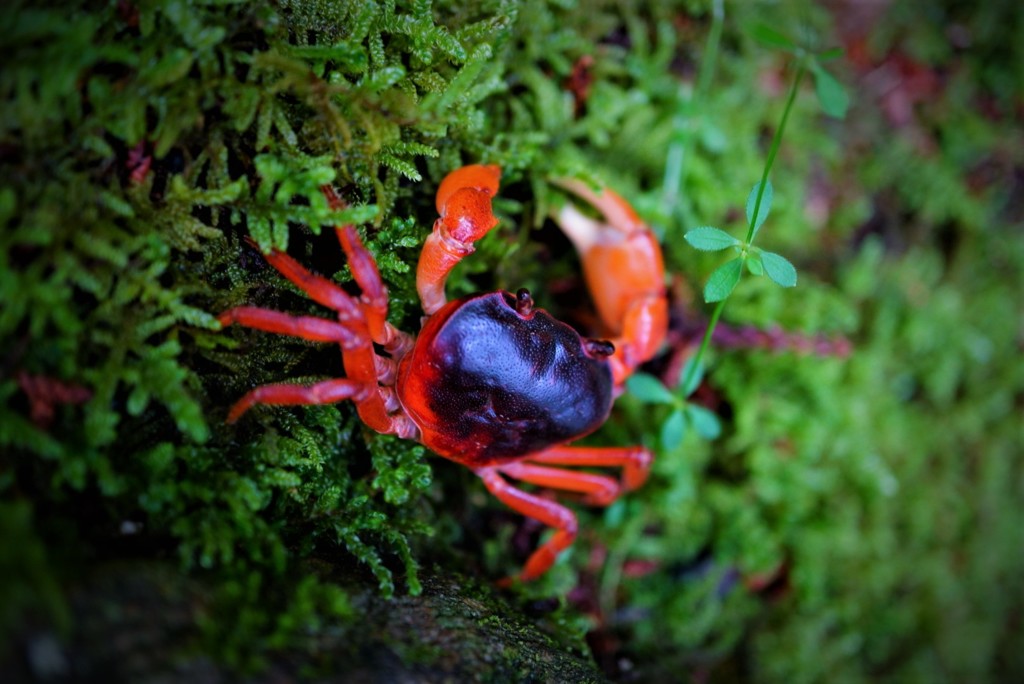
145	622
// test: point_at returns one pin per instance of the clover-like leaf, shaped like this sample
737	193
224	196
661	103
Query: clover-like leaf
649	389
832	96
705	422
673	430
710	239
763	209
779	269
723	280
690	384
754	265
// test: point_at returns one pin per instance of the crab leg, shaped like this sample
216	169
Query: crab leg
305	327
365	370
319	289
326	292
374	299
635	461
547	512
464	203
363	367
625	273
597	490
326	392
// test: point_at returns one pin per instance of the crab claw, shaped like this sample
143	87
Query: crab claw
464	203
624	270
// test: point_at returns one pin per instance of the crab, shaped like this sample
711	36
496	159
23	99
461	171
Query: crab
491	381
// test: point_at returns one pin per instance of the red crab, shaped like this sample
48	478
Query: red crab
490	382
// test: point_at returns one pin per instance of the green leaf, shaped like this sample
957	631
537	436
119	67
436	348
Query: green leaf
754	265
762	211
723	280
673	430
115	203
779	269
710	239
402	166
831	94
382	79
772	38
347	56
172	67
690	387
705	422
190	24
649	389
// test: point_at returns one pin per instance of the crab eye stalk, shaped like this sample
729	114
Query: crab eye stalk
598	348
524	302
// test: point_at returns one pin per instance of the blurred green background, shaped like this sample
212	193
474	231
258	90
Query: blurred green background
855	511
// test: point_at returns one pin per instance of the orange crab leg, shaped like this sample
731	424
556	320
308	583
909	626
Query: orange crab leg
362	363
547	512
635	461
625	273
374	298
319	289
598	490
306	327
326	292
326	392
363	367
464	203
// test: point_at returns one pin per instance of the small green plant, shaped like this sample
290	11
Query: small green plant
748	257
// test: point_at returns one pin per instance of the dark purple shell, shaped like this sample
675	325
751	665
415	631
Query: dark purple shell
495	384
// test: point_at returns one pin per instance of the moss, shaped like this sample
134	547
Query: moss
832	530
143	621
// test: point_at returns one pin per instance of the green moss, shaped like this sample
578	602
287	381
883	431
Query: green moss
877	494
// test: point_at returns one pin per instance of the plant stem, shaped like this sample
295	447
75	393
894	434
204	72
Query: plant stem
691	368
772	152
707	67
774	149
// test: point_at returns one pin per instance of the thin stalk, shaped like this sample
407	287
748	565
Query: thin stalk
707	67
772	152
774	149
691	368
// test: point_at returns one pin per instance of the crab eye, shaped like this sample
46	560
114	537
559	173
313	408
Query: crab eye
524	302
599	348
